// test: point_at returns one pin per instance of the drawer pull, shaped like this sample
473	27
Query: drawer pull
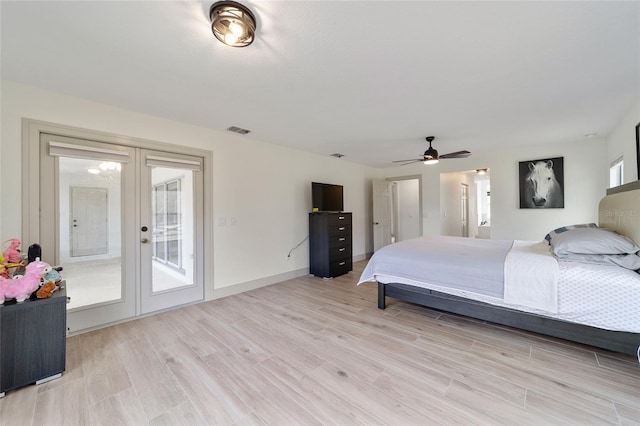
342	263
341	228
342	249
340	217
341	239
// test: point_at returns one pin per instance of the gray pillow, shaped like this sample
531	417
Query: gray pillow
592	241
562	229
629	261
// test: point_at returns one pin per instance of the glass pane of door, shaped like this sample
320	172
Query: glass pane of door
172	236
90	230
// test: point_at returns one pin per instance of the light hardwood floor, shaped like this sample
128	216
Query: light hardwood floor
313	351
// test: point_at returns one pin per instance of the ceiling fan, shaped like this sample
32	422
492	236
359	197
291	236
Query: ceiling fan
431	155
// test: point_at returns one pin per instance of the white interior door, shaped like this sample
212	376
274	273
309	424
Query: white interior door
89	221
171	230
381	214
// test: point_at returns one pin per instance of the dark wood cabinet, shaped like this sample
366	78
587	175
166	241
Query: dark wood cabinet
32	340
330	251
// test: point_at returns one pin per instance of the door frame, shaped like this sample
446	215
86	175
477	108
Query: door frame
464	209
31	131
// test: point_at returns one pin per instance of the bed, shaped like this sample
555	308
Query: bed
549	286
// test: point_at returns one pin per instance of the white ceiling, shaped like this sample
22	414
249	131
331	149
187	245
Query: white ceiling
369	80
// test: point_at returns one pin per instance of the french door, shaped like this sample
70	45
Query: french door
171	230
138	215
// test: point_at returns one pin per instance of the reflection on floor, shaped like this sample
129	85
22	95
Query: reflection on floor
100	281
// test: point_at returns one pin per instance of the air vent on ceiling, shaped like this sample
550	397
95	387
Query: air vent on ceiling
238	130
337	155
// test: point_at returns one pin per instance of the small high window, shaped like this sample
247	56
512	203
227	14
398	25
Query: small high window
616	172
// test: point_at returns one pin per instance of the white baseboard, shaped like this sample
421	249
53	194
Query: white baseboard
260	282
263	282
362	257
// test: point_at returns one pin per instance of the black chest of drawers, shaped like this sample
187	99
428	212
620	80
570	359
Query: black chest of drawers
330	251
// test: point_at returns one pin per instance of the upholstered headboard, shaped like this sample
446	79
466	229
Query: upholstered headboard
620	210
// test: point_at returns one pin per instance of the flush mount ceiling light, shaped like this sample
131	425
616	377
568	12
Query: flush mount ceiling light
232	23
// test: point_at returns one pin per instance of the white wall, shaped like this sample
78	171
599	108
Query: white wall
622	143
264	188
585	180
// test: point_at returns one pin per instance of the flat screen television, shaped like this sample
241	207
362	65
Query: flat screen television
326	197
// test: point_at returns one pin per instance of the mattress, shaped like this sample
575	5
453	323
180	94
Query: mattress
602	296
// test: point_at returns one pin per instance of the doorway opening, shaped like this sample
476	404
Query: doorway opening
406	220
465	208
397	210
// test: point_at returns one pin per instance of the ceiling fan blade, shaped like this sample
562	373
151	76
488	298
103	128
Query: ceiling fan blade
413	160
457	154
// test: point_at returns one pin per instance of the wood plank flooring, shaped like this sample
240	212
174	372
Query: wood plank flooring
310	352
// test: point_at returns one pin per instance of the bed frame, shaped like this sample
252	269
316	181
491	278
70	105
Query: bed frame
620	211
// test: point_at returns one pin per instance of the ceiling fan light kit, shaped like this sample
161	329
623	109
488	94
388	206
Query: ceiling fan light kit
232	23
431	156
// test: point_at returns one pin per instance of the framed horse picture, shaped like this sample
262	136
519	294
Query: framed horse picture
542	183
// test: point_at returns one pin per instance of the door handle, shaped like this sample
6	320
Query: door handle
376	223
144	240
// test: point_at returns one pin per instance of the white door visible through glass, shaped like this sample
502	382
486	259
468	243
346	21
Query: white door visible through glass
89	221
